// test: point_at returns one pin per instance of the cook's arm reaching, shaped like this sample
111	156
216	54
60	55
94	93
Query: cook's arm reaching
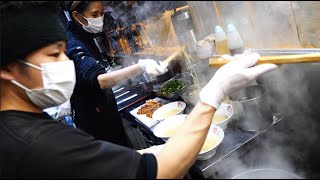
180	152
149	66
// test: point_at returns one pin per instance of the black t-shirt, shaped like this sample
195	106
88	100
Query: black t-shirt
33	146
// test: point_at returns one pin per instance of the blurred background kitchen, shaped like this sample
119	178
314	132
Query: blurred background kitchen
188	30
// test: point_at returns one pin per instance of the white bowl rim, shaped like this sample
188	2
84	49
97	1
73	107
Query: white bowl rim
184	105
219	142
227	119
155	131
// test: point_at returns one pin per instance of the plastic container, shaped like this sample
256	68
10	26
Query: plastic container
183	77
204	49
221	41
235	42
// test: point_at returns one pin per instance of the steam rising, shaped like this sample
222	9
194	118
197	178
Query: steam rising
292	92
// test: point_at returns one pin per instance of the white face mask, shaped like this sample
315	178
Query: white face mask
95	25
59	79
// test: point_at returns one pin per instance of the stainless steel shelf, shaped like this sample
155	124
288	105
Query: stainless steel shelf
235	142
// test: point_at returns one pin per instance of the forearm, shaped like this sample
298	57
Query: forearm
108	80
181	151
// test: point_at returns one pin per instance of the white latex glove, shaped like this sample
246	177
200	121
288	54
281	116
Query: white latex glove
151	67
64	109
231	77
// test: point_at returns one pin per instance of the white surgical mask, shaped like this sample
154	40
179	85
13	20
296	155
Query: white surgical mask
95	25
59	79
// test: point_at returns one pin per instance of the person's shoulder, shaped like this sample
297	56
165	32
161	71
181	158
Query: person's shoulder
73	35
76	48
74	41
25	127
30	126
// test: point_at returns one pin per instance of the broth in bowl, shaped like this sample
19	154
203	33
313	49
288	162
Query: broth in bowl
167	128
214	138
217	118
170	113
169	110
223	115
172	130
209	143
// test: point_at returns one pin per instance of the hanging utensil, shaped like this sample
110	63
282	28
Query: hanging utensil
165	63
174	55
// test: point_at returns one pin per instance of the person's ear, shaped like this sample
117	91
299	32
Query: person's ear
6	74
76	16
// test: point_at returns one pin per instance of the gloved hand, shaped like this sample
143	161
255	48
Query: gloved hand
151	67
64	109
231	77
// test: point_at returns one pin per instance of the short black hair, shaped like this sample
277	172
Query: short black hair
80	8
66	5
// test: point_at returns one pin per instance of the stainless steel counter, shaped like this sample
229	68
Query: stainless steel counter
235	143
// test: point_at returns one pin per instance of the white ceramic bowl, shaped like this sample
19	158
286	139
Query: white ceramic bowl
224	110
169	124
217	133
169	110
173	124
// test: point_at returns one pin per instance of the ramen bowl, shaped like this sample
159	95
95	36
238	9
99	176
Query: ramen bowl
212	142
169	110
223	115
168	127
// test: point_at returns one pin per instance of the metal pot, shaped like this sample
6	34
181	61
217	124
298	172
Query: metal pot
251	108
266	174
184	28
